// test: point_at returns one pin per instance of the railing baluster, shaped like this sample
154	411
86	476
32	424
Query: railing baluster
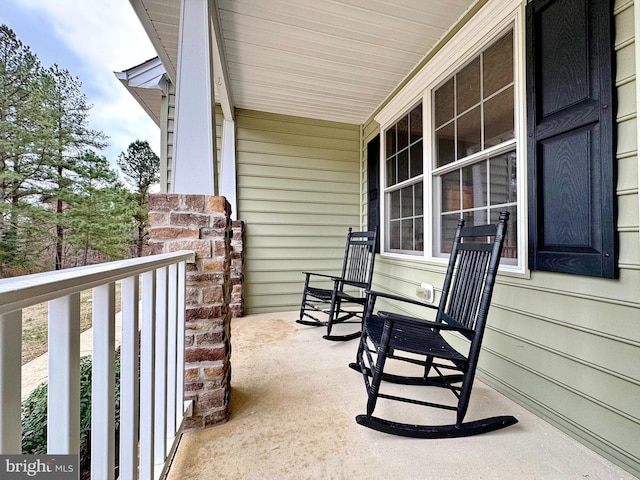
160	440
182	266
147	379
129	377
103	383
172	352
10	370
63	391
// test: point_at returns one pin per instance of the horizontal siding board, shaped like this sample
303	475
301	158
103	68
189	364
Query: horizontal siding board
298	192
295	151
260	159
628	174
273	186
293	173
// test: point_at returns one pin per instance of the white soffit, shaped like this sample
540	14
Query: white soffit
332	60
146	83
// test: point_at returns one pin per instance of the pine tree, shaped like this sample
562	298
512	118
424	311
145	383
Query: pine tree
100	216
141	167
25	142
69	110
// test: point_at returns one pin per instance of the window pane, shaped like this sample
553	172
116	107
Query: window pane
498	65
390	141
502	170
415	160
403	132
474	186
445	145
418	202
469	133
498	118
403	165
419	234
477	217
391	172
415	124
394	235
450	183
510	246
468	86
407	234
448	226
406	201
443	103
394	204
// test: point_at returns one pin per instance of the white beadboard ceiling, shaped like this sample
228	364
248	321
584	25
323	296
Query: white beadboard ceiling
326	59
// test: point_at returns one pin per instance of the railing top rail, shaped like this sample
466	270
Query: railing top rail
21	292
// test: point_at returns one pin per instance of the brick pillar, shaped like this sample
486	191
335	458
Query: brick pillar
202	224
237	269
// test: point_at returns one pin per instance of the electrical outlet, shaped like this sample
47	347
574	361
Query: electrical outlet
425	292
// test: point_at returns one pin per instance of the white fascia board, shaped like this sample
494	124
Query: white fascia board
143	15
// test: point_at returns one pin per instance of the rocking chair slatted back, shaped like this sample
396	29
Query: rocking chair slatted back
357	261
467	288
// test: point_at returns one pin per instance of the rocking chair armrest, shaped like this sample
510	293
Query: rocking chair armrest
396	317
332	277
399	298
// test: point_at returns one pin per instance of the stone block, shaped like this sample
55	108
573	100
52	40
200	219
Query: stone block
209	338
201	248
203	313
213	265
188	219
213	295
193	387
218	205
211	400
171	232
158	218
193	203
191	375
204	354
164	201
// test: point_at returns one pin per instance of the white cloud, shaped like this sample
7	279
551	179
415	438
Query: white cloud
108	37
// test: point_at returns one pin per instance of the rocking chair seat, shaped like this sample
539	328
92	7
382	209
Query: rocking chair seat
412	335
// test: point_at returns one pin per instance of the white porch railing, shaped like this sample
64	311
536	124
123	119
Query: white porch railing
151	407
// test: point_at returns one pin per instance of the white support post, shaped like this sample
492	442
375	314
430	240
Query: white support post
160	443
11	374
103	383
194	149
129	374
147	380
228	165
63	391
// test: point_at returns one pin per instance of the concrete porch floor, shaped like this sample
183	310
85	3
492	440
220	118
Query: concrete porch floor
293	404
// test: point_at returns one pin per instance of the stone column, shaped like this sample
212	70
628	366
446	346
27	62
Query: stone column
202	224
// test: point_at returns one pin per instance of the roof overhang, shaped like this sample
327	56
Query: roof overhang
334	60
147	83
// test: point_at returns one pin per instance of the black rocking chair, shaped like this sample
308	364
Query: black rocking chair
463	307
335	304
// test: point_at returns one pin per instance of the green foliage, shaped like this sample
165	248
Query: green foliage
141	167
59	199
34	414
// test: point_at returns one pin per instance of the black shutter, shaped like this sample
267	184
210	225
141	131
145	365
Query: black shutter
373	184
570	110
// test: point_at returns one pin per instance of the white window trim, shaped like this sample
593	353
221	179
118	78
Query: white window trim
493	18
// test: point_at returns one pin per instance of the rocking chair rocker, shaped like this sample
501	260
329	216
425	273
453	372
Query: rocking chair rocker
336	304
463	307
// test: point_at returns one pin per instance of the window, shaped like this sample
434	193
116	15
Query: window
403	184
451	141
474	146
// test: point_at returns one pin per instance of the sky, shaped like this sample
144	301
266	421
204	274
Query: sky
92	39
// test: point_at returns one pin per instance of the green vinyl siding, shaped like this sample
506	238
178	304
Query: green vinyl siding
298	193
567	347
